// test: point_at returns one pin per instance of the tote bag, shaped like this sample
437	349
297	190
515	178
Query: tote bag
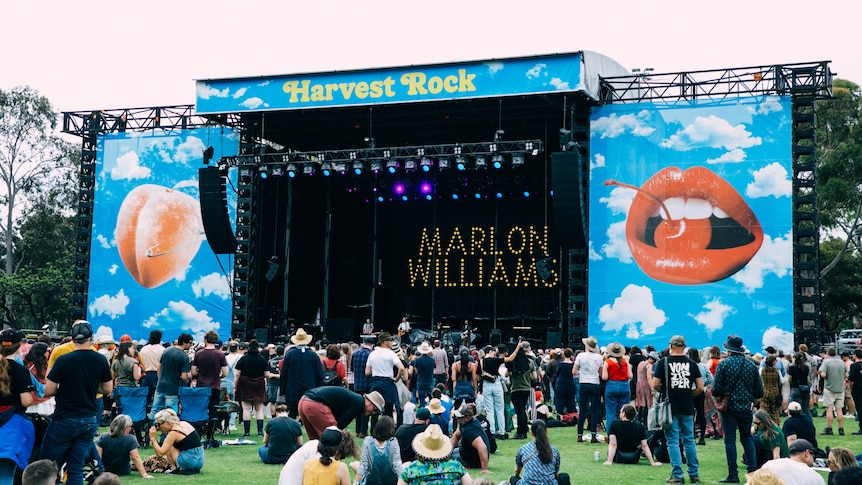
659	416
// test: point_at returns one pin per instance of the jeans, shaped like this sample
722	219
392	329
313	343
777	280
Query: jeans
519	401
588	406
682	429
731	421
192	459
617	395
492	393
70	440
422	394
162	401
803	398
7	471
270	459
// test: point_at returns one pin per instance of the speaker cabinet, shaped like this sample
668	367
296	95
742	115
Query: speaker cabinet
214	211
568	177
553	339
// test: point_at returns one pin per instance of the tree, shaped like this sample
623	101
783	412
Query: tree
30	152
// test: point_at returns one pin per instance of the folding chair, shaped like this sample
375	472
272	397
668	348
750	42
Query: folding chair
133	402
194	407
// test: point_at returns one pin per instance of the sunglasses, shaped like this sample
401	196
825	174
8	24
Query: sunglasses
757	423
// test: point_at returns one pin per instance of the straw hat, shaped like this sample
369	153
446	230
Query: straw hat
436	407
432	444
616	350
590	343
424	348
376	399
301	338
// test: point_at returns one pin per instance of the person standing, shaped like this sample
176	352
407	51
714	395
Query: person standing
643	391
174	370
679	378
403	328
855	377
737	378
209	366
251	373
228	385
301	370
385	368
441	363
424	368
367	327
587	366
151	356
492	393
834	371
361	382
617	373
15	396
326	406
74	380
800	381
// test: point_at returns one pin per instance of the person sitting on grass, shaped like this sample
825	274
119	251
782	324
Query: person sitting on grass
292	472
627	439
118	446
839	458
380	460
434	463
769	441
182	444
282	437
539	460
326	470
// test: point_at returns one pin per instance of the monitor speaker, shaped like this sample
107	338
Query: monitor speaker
567	178
214	211
496	337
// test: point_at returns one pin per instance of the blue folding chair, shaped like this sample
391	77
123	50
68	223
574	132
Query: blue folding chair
194	409
133	402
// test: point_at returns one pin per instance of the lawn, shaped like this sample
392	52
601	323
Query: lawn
234	465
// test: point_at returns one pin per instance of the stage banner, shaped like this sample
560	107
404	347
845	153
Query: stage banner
690	223
503	77
150	265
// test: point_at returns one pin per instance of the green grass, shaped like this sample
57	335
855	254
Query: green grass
240	465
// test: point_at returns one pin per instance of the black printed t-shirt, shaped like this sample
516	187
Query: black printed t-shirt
682	372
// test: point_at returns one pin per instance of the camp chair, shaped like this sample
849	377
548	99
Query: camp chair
133	402
194	408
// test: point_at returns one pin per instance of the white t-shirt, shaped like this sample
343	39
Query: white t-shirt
589	364
292	472
794	472
381	362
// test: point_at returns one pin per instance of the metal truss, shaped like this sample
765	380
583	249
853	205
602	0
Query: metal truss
83	123
813	77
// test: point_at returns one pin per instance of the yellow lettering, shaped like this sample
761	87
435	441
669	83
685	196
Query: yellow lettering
450	84
499	273
435	85
376	89
346	89
296	92
465	82
419	269
539	240
429	246
388	83
317	93
456	243
477	237
362	90
329	89
516	232
415	82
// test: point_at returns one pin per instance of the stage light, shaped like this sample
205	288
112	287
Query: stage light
308	169
428	197
376	166
208	154
245	176
404	198
399	188
326	169
358	167
410	165
454	196
263	171
278	170
499	195
497	161
379	198
460	163
481	163
339	167
517	160
392	165
526	193
426	164
477	195
443	164
425	188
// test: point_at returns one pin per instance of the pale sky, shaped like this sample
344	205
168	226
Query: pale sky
100	54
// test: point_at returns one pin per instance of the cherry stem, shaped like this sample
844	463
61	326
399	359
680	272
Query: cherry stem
670	220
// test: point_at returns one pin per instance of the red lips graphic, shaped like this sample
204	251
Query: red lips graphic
690	227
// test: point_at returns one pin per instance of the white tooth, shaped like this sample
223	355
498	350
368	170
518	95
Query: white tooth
719	213
657	212
676	207
697	209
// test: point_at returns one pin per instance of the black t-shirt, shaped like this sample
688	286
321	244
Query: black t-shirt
683	372
629	434
282	432
799	375
273	364
469	433
405	435
345	404
802	427
173	363
252	365
491	365
855	376
78	375
115	452
424	366
19	380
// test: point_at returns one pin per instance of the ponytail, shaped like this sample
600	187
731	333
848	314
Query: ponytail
543	446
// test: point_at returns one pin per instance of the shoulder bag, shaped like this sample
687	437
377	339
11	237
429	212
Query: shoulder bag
659	416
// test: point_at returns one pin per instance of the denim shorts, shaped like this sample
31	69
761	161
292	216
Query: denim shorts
192	459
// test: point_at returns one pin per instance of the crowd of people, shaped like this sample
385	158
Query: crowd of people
426	413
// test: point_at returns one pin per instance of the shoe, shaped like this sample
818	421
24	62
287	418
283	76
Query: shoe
594	439
580	439
729	480
361	435
857	432
502	436
826	431
519	437
841	431
260	435
675	480
701	441
232	427
245	435
694	478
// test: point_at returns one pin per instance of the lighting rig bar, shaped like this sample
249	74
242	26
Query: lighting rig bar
83	123
519	147
813	77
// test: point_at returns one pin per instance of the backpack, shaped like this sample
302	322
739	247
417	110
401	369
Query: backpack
330	377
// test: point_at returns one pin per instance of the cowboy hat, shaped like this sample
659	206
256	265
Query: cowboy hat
376	399
436	407
301	338
383	337
432	444
424	348
616	350
590	343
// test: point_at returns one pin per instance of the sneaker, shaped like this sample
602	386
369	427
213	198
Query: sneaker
857	432
232	427
580	439
694	478
519	437
502	436
729	480
841	431
675	480
826	431
593	439
701	442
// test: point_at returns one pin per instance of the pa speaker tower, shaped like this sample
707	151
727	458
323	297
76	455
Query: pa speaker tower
568	179
214	211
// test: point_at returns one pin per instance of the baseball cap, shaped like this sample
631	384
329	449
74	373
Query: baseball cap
331	436
81	331
677	341
794	407
10	337
423	413
800	446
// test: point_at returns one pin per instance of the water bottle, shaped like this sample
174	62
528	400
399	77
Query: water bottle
597	456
